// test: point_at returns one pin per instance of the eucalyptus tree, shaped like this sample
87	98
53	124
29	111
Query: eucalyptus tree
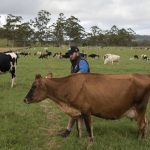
126	36
114	35
111	36
73	30
132	33
24	34
12	23
0	21
59	30
95	36
2	32
119	37
41	25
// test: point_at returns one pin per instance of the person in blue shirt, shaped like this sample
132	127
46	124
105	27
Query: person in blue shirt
78	65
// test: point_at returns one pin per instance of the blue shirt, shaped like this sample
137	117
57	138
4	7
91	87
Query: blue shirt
80	65
83	66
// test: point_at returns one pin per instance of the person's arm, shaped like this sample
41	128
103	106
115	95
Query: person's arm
83	66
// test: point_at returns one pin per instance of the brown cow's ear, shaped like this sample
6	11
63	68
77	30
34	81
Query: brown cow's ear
49	76
38	76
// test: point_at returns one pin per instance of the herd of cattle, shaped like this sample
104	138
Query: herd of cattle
8	60
132	97
107	58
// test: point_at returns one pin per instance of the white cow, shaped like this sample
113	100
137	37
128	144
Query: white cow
111	58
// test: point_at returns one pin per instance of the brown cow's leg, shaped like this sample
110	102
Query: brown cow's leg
79	122
88	123
142	125
141	118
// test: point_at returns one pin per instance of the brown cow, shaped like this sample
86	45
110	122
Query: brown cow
101	95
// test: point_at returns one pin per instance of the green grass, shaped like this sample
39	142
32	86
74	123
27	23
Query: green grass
3	43
34	127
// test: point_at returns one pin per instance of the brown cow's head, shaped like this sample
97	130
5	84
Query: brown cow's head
38	90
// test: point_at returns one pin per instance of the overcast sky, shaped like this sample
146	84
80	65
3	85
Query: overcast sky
133	14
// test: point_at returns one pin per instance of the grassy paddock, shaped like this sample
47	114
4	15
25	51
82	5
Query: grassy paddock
34	127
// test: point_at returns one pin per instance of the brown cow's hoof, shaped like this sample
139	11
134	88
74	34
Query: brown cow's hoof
141	136
90	140
64	133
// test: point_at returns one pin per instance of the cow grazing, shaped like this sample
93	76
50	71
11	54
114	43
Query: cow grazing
8	62
45	54
144	57
37	53
136	57
57	55
101	95
94	56
25	54
66	55
111	58
48	53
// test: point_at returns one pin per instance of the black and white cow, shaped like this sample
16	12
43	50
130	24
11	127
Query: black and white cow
8	63
144	57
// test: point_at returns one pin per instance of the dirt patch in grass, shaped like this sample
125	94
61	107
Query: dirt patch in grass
52	130
51	134
54	144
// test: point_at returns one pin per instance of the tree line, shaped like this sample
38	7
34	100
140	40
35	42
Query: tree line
42	31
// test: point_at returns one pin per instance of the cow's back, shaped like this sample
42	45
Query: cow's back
109	96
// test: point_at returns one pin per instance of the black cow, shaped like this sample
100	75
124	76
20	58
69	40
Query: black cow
66	55
25	53
48	53
94	56
8	64
136	57
83	55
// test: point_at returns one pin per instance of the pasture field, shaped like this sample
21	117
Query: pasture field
34	126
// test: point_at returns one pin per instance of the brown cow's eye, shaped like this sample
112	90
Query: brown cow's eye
34	86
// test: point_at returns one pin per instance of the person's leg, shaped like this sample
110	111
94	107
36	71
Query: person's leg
67	131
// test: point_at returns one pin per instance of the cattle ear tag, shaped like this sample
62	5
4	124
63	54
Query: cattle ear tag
49	76
38	76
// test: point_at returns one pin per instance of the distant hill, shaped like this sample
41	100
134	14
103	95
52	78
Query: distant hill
142	37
